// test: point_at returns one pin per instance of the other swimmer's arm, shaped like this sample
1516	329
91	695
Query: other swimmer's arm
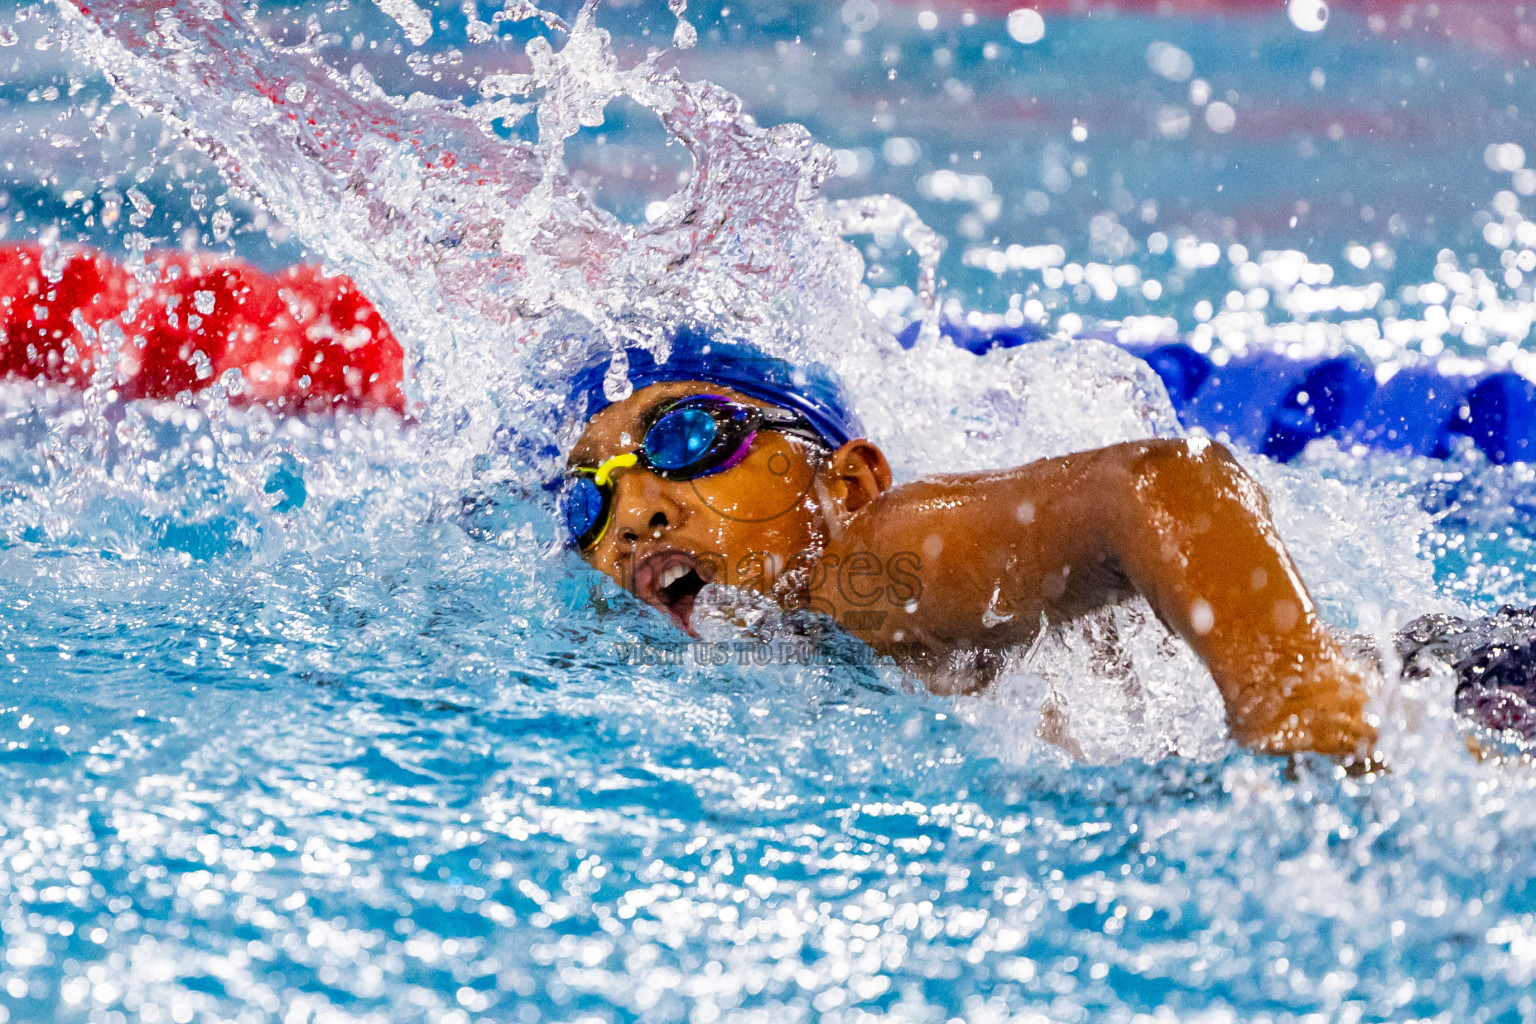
990	554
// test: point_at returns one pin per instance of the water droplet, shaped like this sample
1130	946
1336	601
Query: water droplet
1308	15
1506	156
416	22
1170	62
616	385
860	15
998	610
1220	117
142	208
1026	26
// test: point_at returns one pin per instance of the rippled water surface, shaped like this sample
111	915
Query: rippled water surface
285	737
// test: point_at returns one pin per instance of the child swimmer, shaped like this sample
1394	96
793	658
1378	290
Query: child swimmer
349	358
725	467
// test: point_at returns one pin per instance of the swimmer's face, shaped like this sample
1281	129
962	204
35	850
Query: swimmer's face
747	526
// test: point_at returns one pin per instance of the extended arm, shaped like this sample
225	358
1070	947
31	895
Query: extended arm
1180	522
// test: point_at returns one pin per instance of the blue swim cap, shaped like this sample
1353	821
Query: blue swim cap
813	390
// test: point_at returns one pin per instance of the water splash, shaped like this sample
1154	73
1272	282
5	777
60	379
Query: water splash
495	268
500	273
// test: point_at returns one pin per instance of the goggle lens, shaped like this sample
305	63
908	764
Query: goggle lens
680	438
584	508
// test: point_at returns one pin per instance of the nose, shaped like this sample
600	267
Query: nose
642	508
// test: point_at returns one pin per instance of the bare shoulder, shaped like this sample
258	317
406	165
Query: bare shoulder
943	489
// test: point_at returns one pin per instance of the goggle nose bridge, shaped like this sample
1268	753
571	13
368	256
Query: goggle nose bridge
603	475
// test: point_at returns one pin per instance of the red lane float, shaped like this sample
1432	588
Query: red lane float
303	342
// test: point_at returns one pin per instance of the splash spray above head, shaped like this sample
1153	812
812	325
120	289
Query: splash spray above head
812	391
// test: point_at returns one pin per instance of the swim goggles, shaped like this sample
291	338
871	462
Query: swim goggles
686	439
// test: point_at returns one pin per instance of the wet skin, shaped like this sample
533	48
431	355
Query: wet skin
949	570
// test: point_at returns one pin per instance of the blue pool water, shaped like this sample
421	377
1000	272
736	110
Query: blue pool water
285	738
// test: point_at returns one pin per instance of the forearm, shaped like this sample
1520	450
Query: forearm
1195	537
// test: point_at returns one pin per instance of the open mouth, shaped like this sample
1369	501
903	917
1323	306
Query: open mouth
670	581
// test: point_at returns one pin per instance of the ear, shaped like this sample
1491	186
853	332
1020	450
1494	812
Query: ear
855	475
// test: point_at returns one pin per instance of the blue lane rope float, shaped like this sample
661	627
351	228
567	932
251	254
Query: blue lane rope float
1276	405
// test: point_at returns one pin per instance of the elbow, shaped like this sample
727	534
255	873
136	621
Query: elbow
1166	452
1164	495
1190	473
